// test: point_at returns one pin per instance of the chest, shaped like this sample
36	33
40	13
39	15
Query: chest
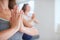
6	14
27	17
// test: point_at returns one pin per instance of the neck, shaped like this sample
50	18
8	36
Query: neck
4	4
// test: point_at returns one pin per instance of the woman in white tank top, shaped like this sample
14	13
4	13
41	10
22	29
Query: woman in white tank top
30	17
29	20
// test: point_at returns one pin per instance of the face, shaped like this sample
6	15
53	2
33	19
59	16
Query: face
27	8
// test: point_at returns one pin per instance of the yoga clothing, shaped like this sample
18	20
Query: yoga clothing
29	37
4	25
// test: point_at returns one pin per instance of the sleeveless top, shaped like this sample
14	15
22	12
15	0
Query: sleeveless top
28	18
4	25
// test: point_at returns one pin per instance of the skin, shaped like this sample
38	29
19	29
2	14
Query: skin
16	21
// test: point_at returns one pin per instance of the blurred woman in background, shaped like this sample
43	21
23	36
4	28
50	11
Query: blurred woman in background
30	17
29	20
9	20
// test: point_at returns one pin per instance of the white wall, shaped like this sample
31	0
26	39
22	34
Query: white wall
57	15
57	18
44	10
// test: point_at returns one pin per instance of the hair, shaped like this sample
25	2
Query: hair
12	3
24	7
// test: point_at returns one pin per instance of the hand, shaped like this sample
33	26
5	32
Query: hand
15	18
21	12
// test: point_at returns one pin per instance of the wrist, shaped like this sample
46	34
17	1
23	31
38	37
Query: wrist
14	27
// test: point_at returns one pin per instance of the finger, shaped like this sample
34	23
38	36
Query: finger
21	12
12	13
16	11
15	8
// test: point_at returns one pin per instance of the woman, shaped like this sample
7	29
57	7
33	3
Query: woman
29	19
9	24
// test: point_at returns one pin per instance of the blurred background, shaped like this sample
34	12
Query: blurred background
48	13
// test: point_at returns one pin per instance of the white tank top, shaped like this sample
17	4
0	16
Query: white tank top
28	18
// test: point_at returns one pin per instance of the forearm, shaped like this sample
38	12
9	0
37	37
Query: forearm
6	34
35	19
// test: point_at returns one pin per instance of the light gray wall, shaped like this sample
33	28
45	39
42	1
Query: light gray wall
44	10
57	18
57	15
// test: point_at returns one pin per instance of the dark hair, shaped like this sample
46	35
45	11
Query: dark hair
24	7
12	3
